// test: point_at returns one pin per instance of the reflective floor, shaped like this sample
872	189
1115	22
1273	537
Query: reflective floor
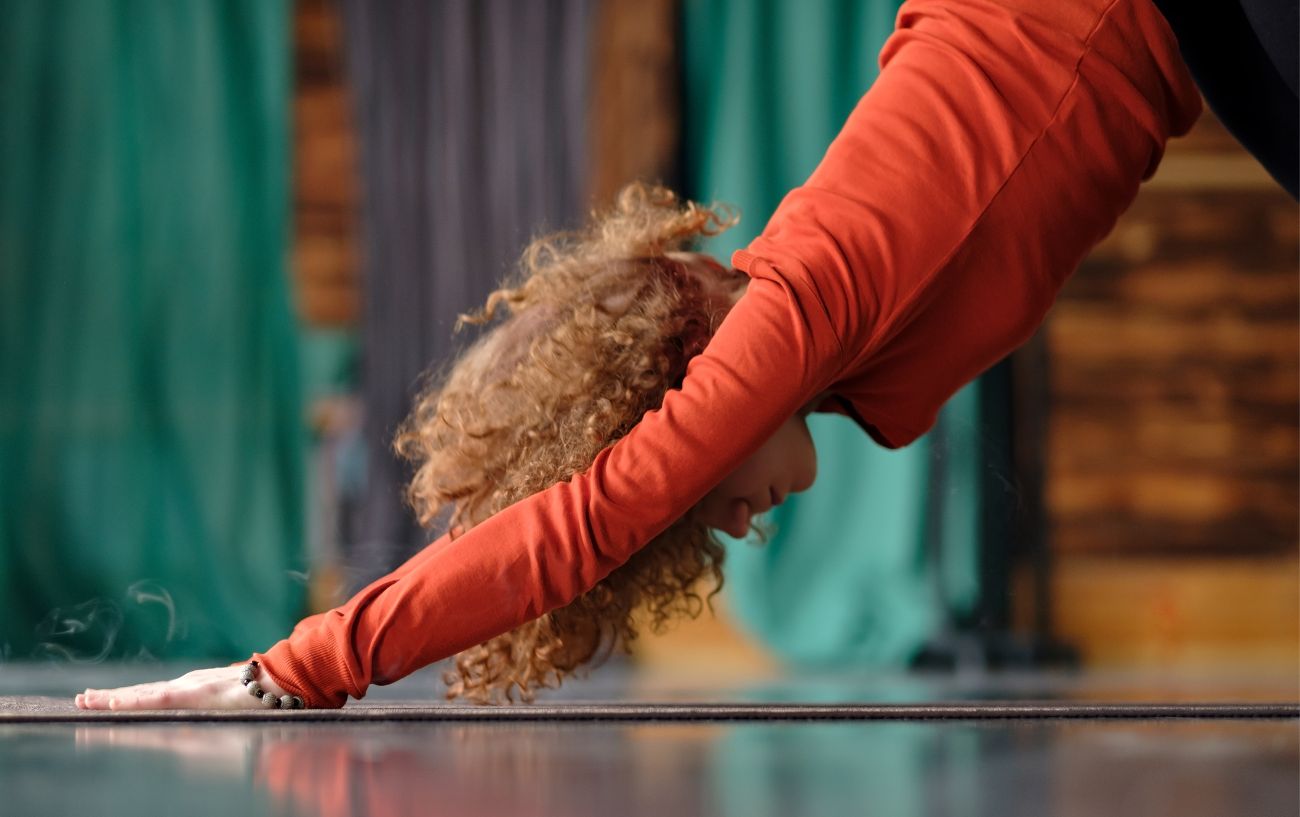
1055	766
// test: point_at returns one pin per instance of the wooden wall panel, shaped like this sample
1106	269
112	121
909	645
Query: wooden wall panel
1175	374
1180	612
324	171
634	114
1173	461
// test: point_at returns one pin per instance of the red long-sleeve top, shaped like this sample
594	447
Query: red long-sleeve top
1000	142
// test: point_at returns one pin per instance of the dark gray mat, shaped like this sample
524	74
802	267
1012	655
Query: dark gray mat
36	709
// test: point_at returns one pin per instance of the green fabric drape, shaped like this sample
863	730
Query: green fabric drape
151	435
863	564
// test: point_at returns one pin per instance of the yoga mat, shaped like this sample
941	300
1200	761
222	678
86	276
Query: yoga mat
33	709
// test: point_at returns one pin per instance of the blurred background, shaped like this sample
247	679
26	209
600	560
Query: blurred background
233	234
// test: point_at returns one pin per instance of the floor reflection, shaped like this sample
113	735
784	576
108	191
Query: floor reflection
962	769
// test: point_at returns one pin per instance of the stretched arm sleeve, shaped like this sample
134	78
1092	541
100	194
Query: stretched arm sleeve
1000	143
773	352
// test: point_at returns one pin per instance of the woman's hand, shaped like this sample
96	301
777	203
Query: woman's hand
217	688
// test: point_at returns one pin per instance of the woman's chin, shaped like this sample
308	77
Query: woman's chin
737	525
734	531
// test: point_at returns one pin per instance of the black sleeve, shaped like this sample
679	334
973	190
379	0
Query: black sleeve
1242	54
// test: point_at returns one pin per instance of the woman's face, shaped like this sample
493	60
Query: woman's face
784	465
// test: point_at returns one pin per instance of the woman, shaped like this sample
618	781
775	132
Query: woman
1000	142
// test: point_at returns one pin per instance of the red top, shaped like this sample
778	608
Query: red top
1000	143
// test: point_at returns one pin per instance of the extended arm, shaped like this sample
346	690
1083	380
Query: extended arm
772	353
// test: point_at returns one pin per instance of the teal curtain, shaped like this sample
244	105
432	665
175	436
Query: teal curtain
151	434
882	552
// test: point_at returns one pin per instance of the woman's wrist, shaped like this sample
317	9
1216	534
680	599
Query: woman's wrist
261	685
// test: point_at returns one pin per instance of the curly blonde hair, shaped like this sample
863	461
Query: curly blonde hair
601	326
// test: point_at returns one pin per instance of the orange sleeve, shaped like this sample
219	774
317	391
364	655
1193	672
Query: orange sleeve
773	352
1000	143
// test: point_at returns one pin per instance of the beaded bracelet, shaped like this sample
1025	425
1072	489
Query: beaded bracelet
269	699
